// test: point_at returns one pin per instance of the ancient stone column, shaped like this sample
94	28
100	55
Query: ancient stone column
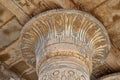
64	44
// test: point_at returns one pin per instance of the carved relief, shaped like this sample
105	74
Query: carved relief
26	5
68	33
63	74
36	6
109	14
45	32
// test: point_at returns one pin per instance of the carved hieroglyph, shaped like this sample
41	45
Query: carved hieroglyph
64	44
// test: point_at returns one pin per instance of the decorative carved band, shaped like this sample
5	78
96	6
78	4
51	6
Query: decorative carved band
68	54
64	74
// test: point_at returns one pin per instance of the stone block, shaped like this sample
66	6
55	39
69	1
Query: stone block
5	15
88	4
109	12
9	33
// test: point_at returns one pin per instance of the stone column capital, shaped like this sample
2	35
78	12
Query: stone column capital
70	33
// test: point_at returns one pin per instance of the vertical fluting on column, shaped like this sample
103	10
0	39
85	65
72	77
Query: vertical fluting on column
64	44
